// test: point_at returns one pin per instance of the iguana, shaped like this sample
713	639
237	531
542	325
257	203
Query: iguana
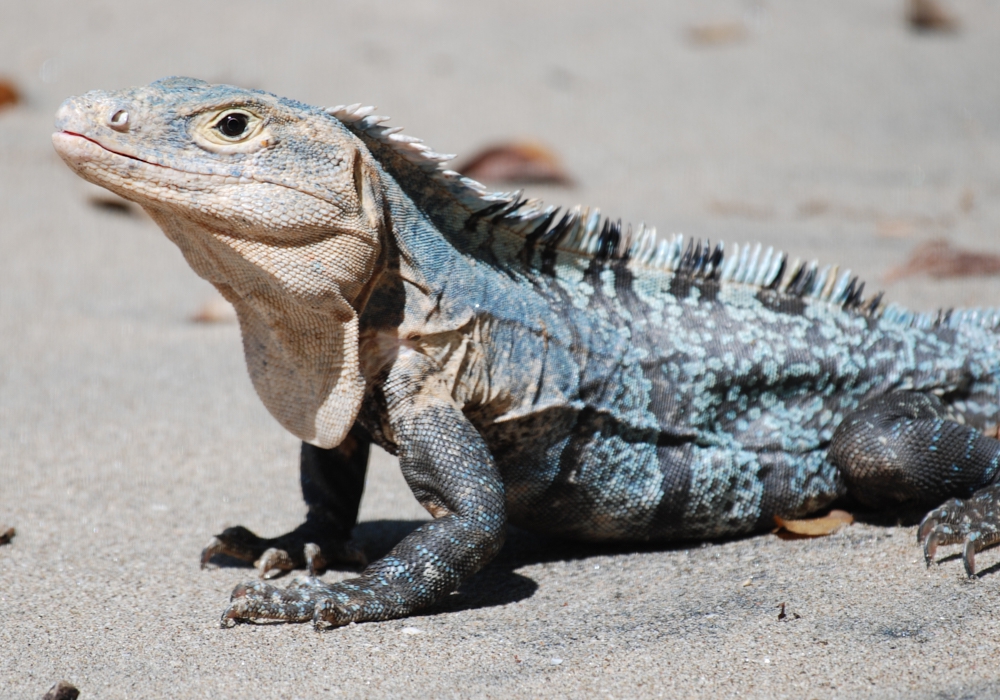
559	372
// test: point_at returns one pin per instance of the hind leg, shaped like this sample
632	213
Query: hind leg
908	448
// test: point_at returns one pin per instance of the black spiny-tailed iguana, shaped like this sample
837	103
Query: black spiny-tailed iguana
552	371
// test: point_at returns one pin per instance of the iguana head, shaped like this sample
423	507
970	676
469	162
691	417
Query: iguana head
275	203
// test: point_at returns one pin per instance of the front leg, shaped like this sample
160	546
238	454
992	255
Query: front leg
332	483
451	472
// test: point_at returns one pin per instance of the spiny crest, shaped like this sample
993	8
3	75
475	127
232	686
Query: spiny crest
363	120
581	230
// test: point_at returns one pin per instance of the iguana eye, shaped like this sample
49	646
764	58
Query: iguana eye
233	125
231	129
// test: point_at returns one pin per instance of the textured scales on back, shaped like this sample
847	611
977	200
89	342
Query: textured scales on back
551	370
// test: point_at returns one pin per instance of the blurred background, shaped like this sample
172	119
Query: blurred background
861	132
870	126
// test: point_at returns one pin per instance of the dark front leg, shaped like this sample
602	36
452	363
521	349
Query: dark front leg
332	483
451	472
907	447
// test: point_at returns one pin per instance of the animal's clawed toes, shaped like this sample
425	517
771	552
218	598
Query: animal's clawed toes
975	522
302	600
237	542
301	548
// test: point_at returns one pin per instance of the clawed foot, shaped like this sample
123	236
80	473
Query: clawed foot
304	547
306	598
975	522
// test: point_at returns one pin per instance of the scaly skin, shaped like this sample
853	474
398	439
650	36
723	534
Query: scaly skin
548	372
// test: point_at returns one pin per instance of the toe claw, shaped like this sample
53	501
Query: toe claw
314	558
214	546
273	562
930	546
929	522
327	614
973	523
969	554
233	615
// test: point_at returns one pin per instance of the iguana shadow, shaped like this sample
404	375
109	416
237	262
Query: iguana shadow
499	583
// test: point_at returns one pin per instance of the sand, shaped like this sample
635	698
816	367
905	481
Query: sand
129	434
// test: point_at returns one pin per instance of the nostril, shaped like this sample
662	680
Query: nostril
119	120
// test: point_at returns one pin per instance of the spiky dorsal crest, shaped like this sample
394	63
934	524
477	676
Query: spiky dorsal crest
581	230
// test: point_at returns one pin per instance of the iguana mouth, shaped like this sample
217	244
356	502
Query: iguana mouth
109	150
243	177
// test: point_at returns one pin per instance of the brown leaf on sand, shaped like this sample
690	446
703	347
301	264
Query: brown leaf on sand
9	95
517	162
894	228
930	16
938	259
717	33
813	527
6	534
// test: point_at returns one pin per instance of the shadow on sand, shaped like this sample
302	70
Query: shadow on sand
499	583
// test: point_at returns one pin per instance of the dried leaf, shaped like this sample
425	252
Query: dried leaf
216	310
930	16
718	33
9	96
517	163
815	527
939	259
6	534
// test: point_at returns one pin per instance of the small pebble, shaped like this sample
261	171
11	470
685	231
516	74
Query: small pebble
63	690
556	662
216	310
412	630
